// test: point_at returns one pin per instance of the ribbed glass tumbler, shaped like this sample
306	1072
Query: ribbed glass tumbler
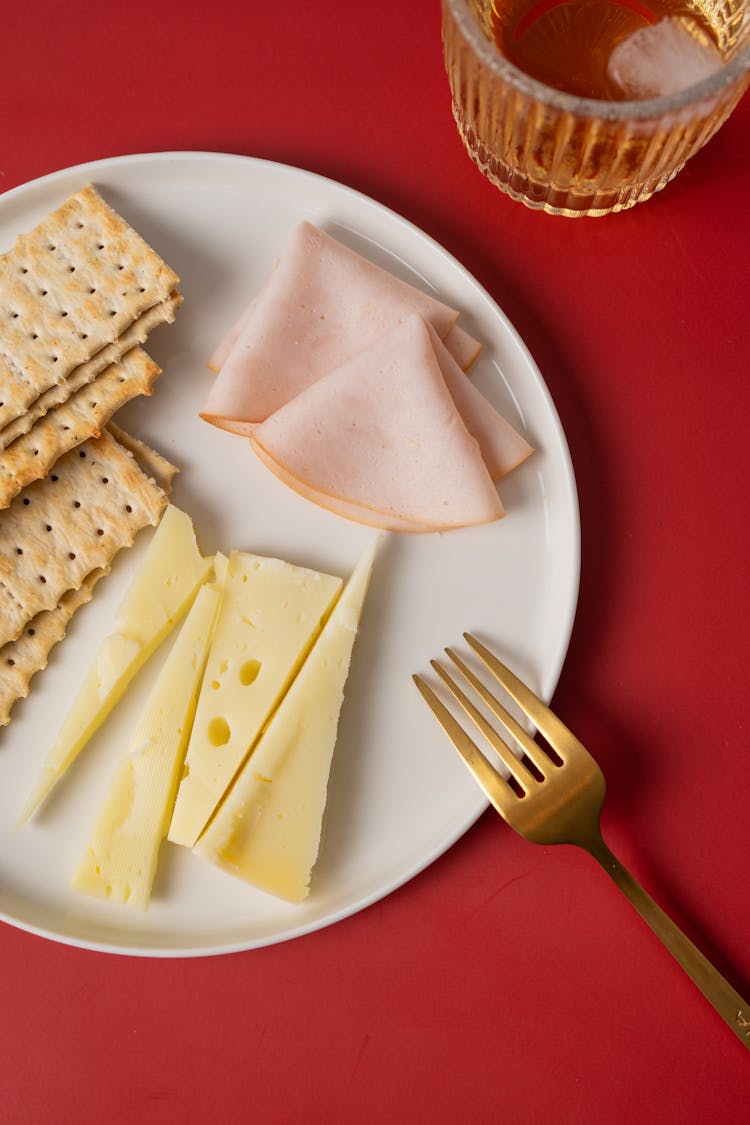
577	156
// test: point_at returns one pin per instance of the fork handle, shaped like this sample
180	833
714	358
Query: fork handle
728	1003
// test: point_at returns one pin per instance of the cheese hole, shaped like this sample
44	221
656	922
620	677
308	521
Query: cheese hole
249	672
218	731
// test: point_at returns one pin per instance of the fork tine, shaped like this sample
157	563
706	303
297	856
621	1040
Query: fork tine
533	751
546	722
484	772
513	763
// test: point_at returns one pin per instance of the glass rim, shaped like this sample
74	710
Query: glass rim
632	109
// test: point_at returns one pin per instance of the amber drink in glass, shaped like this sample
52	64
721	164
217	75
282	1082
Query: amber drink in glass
584	107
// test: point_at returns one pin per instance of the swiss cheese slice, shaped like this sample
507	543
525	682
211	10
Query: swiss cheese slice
159	596
121	857
268	829
271	612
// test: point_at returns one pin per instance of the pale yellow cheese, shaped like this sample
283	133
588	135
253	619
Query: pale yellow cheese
271	612
267	830
161	593
121	857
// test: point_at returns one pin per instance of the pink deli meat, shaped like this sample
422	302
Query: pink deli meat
346	508
461	345
502	447
382	434
321	306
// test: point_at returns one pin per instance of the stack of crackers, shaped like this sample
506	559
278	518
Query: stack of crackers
78	296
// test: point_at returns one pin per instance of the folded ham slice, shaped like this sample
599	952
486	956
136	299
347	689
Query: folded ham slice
501	446
346	508
461	345
381	435
320	307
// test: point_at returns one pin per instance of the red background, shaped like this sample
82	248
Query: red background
506	982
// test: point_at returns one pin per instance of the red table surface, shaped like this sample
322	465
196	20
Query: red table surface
507	982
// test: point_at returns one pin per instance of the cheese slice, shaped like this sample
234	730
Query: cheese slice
267	831
121	857
161	593
271	612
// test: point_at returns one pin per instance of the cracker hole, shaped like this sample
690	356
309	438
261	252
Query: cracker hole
31	632
26	501
128	508
10	661
48	527
54	477
42	579
100	531
76	503
82	453
71	554
19	550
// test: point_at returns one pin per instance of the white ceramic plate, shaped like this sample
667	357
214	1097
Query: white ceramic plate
398	795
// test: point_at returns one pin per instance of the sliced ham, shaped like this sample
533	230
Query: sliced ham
501	446
463	347
219	356
382	433
346	508
321	306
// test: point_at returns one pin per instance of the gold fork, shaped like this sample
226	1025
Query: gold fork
555	796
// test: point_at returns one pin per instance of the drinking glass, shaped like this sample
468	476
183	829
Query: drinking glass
571	155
